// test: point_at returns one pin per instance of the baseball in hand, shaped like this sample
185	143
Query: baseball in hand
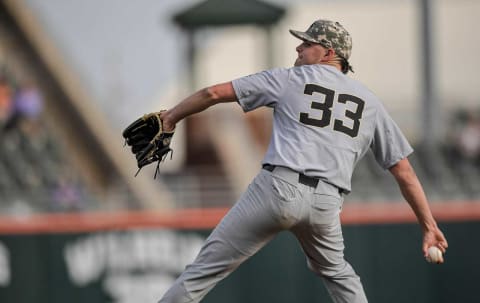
434	255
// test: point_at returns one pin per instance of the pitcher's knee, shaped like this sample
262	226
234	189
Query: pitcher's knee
341	269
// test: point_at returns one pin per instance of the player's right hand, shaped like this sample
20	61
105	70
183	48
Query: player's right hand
436	238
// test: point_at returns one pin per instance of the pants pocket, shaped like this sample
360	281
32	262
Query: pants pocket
325	210
283	190
285	201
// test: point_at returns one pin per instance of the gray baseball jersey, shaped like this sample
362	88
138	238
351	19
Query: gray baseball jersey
324	122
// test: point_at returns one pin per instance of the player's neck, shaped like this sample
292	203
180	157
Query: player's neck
333	63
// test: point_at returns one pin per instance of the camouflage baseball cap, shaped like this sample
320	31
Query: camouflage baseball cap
329	34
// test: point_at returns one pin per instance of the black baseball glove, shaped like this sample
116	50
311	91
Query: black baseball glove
148	141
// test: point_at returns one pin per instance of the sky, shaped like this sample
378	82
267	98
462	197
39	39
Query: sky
122	50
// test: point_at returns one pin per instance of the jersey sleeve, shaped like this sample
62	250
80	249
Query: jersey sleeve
260	89
389	145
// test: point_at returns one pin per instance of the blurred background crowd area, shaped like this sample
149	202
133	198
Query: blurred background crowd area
54	158
36	175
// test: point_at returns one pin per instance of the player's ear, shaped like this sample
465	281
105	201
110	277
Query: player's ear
330	54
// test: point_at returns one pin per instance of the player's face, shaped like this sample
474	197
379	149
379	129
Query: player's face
310	53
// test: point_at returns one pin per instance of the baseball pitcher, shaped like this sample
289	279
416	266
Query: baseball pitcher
323	124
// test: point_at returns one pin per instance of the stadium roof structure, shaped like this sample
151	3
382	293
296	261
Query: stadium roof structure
229	12
218	14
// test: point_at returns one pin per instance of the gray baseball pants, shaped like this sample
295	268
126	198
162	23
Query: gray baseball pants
274	201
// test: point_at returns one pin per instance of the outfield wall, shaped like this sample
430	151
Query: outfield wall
134	257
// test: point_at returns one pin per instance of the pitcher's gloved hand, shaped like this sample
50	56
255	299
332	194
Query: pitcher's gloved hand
148	141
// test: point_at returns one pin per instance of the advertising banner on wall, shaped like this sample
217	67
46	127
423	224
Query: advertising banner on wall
111	266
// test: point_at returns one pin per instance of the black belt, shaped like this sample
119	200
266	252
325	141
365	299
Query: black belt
303	179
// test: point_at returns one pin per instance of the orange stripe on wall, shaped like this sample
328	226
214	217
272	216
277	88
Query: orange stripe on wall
353	213
400	212
86	222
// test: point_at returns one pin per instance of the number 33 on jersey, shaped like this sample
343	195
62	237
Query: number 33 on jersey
326	110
